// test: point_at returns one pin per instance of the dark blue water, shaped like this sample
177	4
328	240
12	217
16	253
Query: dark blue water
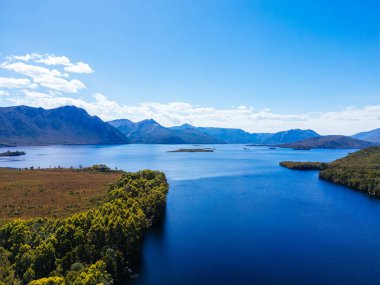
235	217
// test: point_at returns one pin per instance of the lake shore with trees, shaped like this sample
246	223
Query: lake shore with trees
359	170
96	246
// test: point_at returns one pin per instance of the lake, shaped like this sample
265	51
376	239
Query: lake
235	217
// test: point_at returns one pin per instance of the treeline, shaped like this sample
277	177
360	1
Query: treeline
359	170
304	165
12	153
93	247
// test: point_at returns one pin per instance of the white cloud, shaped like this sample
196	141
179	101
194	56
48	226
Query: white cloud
54	60
27	57
9	82
347	121
43	86
49	78
79	67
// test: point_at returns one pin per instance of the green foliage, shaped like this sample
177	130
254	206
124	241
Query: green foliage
49	281
6	270
359	170
12	153
99	168
304	165
92	247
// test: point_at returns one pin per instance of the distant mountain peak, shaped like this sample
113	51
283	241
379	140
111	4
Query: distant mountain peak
331	141
23	125
371	136
149	121
186	125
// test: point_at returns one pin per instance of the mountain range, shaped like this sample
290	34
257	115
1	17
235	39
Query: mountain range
332	142
23	125
149	131
371	136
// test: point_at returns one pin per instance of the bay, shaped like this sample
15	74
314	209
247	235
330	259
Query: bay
235	217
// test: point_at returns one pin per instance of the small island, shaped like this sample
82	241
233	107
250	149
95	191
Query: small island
193	150
12	153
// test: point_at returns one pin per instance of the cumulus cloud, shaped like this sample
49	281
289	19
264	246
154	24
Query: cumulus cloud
29	65
9	82
49	78
79	67
47	59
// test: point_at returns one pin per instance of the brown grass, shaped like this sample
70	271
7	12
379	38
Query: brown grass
50	192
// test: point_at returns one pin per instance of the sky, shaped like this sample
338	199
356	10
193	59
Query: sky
259	65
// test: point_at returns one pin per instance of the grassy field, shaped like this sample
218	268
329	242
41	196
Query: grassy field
51	193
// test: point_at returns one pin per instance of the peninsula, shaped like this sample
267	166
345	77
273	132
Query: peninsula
359	170
12	153
95	242
193	150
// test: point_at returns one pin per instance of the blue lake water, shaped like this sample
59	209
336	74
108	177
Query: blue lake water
235	217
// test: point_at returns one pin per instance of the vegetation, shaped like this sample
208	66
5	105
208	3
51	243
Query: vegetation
193	150
92	247
359	170
304	165
99	168
12	153
51	193
333	142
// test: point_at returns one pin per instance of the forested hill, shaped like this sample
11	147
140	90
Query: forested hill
22	125
333	142
92	247
371	136
359	170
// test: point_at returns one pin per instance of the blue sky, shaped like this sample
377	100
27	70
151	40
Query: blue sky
260	65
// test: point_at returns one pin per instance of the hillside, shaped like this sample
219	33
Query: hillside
333	142
240	136
24	125
359	170
371	136
228	135
151	132
291	136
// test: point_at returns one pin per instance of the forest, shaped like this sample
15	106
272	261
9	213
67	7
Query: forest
92	247
304	165
359	170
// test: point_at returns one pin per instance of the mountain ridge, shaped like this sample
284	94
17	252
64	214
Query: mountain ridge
331	142
371	136
23	125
